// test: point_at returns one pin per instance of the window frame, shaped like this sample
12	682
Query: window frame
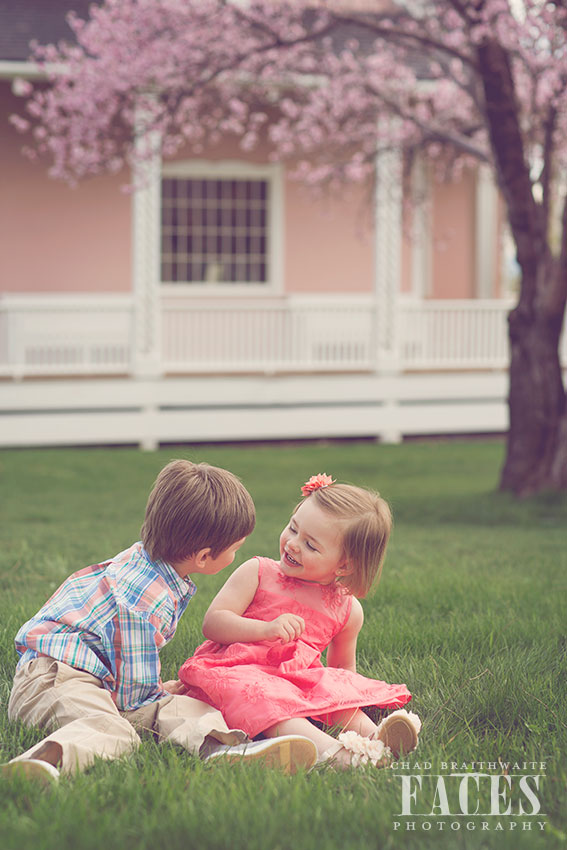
232	170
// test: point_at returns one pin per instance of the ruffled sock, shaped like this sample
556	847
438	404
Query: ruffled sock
365	750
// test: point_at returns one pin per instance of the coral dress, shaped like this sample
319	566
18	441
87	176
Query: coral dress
258	684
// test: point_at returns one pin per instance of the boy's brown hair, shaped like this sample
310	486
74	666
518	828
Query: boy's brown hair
365	521
195	506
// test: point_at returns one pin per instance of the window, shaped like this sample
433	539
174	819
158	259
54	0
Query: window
217	228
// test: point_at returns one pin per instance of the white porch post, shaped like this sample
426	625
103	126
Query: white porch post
146	331
387	273
486	233
421	238
146	204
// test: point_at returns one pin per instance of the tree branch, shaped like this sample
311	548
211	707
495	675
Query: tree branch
431	131
406	39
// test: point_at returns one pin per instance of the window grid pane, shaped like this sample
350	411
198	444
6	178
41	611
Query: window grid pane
214	230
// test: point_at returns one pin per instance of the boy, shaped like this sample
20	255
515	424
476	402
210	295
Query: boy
89	667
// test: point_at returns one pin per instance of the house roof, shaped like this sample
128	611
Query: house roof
21	21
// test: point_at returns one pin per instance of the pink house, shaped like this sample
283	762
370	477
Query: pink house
224	301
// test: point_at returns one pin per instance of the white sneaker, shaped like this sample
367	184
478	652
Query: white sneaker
289	753
33	769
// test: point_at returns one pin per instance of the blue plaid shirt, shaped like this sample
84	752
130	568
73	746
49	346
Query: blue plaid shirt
111	620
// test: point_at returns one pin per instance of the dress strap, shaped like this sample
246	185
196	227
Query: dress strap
348	610
262	562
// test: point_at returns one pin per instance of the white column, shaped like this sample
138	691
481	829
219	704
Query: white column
421	233
387	275
146	332
146	214
486	233
388	248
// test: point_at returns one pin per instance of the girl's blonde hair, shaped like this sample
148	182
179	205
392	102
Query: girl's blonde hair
194	506
366	522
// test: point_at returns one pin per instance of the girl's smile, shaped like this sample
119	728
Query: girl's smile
291	560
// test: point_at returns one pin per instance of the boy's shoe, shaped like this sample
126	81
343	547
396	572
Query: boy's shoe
33	769
289	753
399	731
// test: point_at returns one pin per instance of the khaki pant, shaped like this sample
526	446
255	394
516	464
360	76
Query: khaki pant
83	720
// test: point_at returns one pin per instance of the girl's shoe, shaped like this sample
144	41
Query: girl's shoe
399	731
360	751
33	769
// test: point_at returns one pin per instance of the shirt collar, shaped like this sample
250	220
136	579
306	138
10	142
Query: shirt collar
183	586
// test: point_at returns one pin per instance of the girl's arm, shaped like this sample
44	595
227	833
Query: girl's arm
342	649
224	622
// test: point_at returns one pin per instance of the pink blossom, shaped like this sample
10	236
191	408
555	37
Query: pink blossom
200	69
21	124
22	88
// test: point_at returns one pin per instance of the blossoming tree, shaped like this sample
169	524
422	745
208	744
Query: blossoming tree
330	85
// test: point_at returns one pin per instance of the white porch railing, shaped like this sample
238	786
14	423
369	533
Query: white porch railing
57	335
307	335
455	334
51	335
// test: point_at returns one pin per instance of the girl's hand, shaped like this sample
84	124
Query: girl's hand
286	627
174	686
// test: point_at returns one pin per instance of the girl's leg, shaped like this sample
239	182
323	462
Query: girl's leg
352	719
327	746
399	730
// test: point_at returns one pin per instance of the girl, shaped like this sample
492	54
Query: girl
267	627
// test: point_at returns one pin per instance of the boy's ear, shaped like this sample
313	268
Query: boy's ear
195	563
201	557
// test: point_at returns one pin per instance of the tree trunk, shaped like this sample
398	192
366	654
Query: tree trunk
536	456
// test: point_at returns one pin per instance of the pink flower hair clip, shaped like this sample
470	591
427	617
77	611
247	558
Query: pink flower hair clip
316	482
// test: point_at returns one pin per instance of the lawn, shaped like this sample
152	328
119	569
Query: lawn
470	613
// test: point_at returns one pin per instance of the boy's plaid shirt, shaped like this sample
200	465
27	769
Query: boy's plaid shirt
111	620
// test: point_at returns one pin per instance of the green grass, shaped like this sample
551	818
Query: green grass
470	613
